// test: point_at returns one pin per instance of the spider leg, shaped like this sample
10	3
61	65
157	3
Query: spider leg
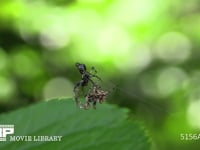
78	84
94	104
97	77
87	104
93	73
76	93
93	70
93	84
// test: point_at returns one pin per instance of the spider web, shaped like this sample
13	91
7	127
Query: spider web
113	88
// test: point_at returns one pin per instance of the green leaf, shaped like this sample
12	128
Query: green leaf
107	127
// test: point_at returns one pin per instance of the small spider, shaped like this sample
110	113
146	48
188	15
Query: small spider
85	79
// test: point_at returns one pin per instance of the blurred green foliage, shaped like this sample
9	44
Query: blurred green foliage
147	49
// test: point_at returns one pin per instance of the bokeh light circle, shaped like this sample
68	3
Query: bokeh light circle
170	79
193	114
173	47
58	87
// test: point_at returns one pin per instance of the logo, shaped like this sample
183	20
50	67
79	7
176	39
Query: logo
5	130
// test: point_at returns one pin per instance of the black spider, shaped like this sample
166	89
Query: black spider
85	76
85	79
